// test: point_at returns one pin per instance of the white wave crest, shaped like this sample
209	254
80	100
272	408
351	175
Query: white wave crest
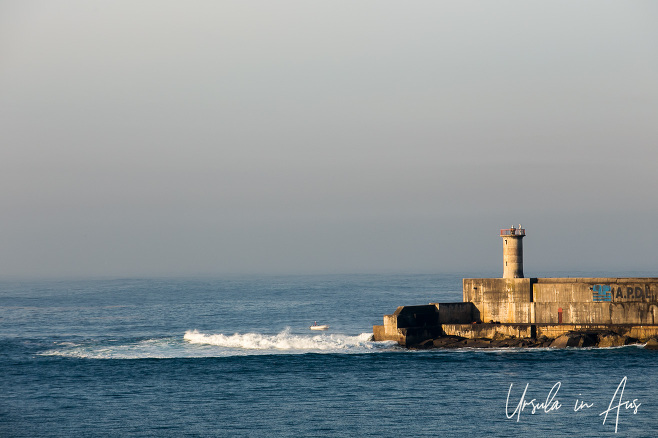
284	341
195	344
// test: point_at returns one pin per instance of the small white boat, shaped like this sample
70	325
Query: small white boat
315	326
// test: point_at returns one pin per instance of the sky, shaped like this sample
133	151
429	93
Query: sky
166	138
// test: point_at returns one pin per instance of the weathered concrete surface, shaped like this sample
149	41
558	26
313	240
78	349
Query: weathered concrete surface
532	308
497	289
574	300
406	317
512	252
628	289
416	316
488	331
379	334
457	313
411	325
641	333
505	300
596	313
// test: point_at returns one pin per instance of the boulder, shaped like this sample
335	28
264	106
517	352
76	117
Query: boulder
575	339
500	337
563	341
521	342
652	344
427	343
591	339
588	339
544	341
611	339
448	342
478	343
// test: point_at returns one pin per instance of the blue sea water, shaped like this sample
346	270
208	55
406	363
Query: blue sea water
234	356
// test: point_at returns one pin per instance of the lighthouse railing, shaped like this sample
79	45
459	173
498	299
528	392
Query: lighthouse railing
512	232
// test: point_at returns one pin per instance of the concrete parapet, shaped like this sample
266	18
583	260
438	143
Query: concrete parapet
391	325
457	313
494	290
416	316
554	331
643	332
598	289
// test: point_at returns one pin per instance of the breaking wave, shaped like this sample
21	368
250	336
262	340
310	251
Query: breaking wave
285	341
196	344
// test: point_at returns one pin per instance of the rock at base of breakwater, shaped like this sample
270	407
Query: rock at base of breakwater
652	344
575	339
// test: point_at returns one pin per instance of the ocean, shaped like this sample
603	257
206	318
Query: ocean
234	356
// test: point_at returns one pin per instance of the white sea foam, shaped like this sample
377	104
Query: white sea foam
284	341
146	349
196	344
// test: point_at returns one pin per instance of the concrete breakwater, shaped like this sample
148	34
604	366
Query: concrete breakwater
446	325
496	311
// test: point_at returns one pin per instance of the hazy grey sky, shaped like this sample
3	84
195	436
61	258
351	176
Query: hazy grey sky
184	137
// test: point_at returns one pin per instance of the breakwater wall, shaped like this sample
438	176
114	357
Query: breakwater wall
531	308
609	301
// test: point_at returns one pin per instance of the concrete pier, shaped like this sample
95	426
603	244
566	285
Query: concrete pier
514	306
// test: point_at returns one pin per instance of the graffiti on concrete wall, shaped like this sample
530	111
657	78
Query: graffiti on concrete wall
607	293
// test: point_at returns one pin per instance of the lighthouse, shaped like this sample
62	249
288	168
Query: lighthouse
513	251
